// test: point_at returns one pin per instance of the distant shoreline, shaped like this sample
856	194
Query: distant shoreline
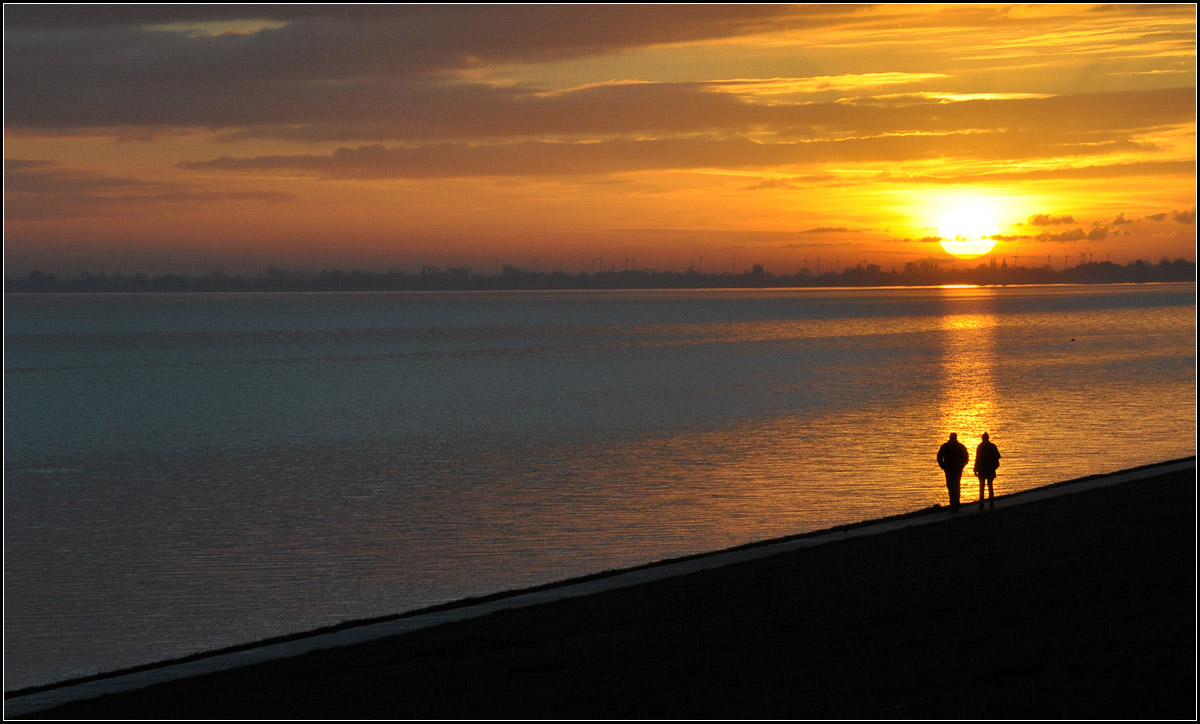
913	274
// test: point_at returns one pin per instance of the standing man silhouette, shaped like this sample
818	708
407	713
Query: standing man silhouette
987	459
952	457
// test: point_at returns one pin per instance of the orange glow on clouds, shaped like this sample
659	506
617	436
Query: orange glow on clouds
764	134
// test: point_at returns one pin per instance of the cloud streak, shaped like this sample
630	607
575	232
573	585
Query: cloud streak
542	158
1048	220
111	66
38	189
481	123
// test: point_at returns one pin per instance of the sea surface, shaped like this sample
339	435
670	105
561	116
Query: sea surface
190	471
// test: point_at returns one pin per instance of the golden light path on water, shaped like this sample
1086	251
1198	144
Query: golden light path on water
814	469
968	399
688	431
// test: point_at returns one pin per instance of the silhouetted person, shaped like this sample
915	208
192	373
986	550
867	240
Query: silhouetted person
952	457
987	459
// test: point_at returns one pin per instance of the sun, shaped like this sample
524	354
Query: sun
968	227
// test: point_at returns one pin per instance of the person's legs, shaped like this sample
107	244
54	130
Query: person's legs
981	492
953	481
991	492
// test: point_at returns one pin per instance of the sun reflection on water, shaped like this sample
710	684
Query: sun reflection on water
968	400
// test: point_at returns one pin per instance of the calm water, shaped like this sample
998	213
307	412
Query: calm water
184	472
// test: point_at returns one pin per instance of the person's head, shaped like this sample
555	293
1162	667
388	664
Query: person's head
954	437
985	437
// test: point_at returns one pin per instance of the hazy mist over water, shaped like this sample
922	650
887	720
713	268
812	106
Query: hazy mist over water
184	472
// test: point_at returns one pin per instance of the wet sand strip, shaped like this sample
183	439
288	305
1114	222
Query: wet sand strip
1075	606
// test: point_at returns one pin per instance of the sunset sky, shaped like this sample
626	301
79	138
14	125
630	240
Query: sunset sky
198	138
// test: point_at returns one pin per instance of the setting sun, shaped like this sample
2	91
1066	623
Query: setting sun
791	137
968	227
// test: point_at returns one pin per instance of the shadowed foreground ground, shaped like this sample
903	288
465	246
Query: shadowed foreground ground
1078	607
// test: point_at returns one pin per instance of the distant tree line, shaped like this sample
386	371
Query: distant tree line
923	273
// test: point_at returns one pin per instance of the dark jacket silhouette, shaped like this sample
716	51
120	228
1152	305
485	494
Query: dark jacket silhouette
987	458
953	457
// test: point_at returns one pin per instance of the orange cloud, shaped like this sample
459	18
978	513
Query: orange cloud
470	128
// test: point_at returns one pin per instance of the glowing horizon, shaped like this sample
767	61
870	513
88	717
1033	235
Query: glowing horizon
249	136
